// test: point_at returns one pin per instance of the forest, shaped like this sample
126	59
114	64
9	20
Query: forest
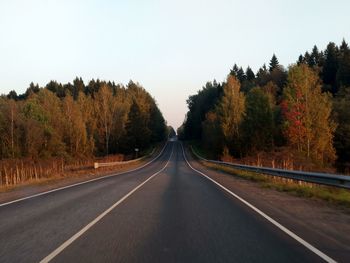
303	109
75	120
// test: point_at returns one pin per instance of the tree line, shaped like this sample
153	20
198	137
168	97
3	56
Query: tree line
75	120
305	108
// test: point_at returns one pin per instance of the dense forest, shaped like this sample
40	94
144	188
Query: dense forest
304	108
75	120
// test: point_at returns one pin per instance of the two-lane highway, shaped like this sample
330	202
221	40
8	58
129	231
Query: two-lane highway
165	212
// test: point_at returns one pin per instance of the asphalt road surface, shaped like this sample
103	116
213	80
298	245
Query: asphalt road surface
164	212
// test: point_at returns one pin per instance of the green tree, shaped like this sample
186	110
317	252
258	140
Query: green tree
212	135
199	104
138	134
250	74
342	116
231	112
343	73
314	57
330	68
257	125
273	63
157	125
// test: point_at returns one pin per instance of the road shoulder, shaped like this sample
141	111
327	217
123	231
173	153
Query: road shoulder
321	224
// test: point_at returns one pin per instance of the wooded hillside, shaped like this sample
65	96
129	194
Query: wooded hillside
78	120
305	108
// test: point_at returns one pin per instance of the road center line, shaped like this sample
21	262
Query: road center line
268	218
58	250
84	182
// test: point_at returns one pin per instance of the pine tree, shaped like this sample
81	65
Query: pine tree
137	132
241	75
273	63
343	73
314	57
301	60
250	74
330	67
308	59
234	70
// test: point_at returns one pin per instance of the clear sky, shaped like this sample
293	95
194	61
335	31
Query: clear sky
170	47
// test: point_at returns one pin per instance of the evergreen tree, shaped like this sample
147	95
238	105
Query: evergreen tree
342	116
308	59
241	75
330	68
33	89
343	73
301	60
250	74
137	132
234	70
12	95
262	76
273	63
314	57
78	86
212	134
258	121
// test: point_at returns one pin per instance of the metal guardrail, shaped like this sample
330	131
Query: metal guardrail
336	180
98	165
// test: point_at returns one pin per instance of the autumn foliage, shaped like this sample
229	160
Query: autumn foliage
303	110
307	114
76	120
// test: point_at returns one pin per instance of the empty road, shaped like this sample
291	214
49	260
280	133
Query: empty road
164	212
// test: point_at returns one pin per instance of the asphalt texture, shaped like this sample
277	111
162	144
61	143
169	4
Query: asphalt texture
177	216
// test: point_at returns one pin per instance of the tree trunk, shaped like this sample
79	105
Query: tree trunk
12	133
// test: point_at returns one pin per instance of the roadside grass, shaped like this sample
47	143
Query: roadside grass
332	195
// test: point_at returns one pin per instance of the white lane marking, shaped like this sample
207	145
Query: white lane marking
58	250
268	218
84	182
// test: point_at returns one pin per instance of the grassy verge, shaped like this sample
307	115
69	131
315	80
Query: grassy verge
337	196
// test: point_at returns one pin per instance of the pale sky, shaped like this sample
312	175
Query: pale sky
172	48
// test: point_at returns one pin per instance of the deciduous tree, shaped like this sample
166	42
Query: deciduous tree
307	112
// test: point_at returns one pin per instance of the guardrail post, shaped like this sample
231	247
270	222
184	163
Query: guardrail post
95	165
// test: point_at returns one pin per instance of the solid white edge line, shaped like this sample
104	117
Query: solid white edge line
84	182
58	250
268	218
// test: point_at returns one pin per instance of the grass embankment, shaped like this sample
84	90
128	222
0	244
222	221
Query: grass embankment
337	196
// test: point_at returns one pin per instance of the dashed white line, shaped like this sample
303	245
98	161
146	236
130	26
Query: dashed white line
58	250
